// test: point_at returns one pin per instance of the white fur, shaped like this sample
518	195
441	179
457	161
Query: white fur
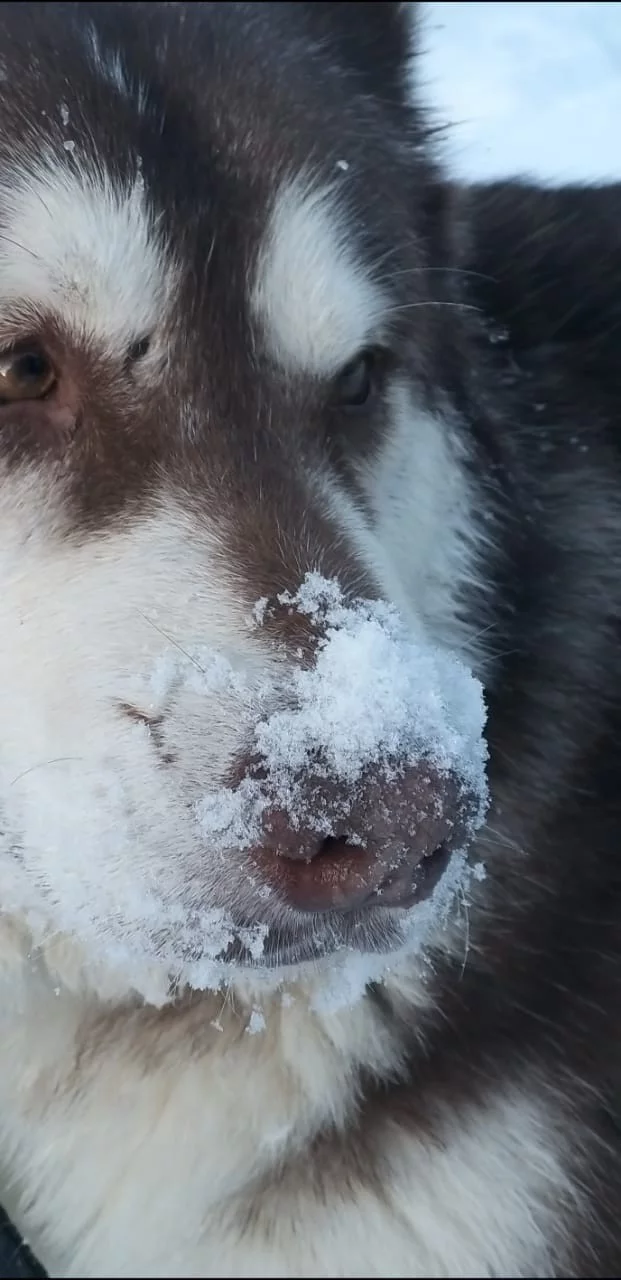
80	249
426	513
108	848
314	303
140	1147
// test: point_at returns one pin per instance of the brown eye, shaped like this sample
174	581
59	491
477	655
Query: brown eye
25	374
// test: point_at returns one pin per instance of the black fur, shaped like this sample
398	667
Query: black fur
16	1260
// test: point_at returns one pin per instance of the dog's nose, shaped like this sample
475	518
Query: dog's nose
387	842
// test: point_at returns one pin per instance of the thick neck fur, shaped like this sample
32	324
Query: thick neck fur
188	1141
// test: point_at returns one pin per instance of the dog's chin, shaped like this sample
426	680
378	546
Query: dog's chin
402	917
292	946
375	932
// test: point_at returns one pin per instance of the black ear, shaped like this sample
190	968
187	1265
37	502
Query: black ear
378	39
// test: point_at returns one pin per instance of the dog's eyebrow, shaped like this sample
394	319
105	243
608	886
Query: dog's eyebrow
314	303
83	249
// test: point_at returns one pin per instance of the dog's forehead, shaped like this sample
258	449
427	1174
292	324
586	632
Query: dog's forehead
125	204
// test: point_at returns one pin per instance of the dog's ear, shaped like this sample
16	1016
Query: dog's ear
378	39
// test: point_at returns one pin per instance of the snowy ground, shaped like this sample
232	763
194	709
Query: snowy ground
530	88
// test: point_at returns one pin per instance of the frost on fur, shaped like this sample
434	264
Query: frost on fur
373	697
376	697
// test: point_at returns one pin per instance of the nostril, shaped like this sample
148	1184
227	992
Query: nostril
338	845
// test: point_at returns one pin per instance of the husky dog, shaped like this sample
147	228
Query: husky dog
251	338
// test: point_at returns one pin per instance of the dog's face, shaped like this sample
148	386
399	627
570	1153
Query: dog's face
223	367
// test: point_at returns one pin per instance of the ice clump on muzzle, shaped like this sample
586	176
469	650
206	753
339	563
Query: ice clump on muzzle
376	697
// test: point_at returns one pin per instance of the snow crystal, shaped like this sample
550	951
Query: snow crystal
258	612
374	697
256	1023
199	671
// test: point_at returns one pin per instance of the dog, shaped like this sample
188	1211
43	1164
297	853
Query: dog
256	347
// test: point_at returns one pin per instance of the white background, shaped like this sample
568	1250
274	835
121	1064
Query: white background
528	88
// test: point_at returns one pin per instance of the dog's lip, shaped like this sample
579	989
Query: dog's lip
346	877
373	927
407	886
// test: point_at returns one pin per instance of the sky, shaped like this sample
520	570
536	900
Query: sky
529	88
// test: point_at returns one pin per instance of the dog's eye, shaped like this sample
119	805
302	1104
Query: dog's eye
356	382
26	373
138	349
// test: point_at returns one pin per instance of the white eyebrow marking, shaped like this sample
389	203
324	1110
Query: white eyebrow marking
315	304
86	249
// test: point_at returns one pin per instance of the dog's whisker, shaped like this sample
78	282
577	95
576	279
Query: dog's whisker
465	906
175	643
429	302
45	764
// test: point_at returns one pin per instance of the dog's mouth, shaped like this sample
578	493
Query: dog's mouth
344	877
376	926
